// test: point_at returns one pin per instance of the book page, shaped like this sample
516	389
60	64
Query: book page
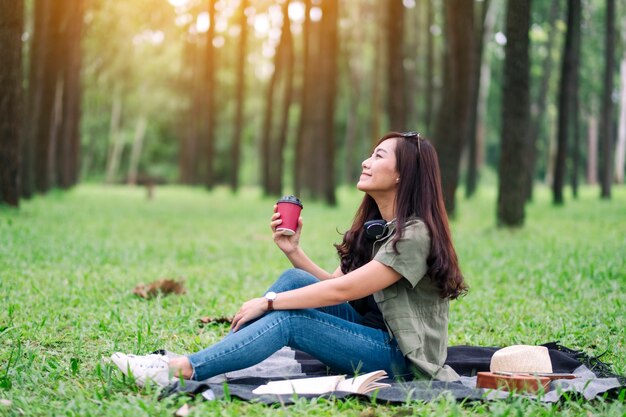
318	385
363	384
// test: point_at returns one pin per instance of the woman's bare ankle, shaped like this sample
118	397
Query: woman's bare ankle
181	367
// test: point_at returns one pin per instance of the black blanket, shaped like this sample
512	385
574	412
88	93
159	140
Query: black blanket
593	378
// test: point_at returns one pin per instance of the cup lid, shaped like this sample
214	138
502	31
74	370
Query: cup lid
290	199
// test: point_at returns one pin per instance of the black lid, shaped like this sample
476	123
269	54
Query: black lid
290	199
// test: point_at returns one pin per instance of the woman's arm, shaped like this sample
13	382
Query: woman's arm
290	245
359	283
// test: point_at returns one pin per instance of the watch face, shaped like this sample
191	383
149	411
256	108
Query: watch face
271	295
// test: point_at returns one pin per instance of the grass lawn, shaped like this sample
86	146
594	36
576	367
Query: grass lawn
69	262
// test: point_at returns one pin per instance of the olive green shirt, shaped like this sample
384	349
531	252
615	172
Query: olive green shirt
413	311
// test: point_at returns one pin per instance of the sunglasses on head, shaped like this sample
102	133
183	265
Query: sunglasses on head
413	135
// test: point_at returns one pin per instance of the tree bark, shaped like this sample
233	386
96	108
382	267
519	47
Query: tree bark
620	149
48	51
135	154
606	114
235	151
210	68
396	86
115	139
456	94
566	96
482	35
11	27
276	183
538	108
429	96
515	116
330	46
592	149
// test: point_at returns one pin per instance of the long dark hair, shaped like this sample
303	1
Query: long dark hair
419	195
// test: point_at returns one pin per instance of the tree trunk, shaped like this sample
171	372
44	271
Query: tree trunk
70	124
271	151
592	150
49	62
376	108
135	154
456	94
305	92
209	71
11	27
429	96
330	47
235	151
566	96
606	114
482	36
515	116
538	108
276	184
396	86
115	139
620	149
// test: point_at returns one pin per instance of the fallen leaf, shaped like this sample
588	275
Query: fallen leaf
183	411
208	320
163	286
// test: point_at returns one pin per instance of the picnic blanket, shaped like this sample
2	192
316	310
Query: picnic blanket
593	378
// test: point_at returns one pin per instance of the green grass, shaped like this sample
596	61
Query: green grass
69	262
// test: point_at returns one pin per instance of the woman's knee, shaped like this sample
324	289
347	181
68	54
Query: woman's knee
292	279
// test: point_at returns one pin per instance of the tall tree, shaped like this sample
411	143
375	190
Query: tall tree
429	94
539	105
483	31
47	20
456	95
68	149
567	95
515	116
209	105
396	85
606	114
11	26
235	150
314	167
620	149
273	140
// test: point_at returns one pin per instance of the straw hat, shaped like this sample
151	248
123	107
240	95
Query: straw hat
522	358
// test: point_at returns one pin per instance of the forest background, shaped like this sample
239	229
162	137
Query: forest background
291	95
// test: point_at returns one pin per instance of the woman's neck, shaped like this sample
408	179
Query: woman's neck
386	206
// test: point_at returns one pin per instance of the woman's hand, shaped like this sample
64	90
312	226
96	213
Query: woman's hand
288	244
250	310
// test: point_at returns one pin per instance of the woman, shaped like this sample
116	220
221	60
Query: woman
398	270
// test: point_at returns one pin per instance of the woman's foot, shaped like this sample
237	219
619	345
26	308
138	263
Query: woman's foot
145	368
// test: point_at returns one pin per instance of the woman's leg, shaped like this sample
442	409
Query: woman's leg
343	345
294	278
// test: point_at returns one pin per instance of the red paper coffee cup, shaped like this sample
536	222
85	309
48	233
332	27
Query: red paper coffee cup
289	208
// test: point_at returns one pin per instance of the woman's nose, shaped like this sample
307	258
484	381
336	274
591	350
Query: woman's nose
365	163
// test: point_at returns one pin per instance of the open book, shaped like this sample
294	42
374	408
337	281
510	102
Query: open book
361	384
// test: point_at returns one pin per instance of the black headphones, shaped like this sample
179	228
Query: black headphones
376	229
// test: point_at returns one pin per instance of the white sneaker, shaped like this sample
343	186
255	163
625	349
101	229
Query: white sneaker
145	368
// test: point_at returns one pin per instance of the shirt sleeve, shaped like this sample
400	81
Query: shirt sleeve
413	249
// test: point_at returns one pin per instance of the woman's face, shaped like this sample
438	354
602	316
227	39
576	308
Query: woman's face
379	173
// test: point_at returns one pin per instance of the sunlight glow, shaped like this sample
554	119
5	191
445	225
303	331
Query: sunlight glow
203	23
296	11
261	24
155	37
409	4
315	14
178	3
500	38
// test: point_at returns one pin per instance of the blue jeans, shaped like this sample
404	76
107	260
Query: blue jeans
334	335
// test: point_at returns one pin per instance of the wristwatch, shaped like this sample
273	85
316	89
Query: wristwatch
270	297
